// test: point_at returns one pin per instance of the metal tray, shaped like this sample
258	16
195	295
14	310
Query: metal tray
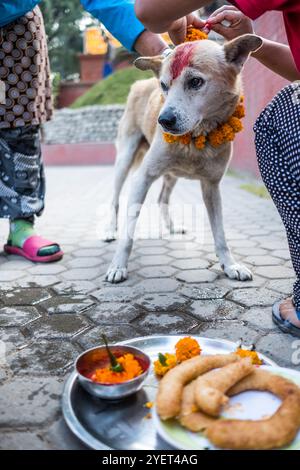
125	425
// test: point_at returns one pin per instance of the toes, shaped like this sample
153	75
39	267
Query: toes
239	272
116	274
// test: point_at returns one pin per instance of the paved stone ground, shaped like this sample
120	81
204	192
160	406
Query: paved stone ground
48	314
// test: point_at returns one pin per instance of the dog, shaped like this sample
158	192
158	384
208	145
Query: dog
195	88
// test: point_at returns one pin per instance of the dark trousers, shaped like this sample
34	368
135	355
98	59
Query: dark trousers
277	140
22	180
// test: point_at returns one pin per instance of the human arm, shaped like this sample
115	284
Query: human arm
119	18
275	56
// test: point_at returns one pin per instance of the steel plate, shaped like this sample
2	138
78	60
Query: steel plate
125	425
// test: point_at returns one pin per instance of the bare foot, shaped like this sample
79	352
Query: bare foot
288	312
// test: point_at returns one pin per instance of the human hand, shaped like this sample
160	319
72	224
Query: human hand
239	23
178	29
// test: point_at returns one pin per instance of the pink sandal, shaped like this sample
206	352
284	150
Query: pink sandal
31	248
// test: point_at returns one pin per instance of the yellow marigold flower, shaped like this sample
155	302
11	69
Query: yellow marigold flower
164	363
185	139
252	354
236	124
186	348
194	34
200	142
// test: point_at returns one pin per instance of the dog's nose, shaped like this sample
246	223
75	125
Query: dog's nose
167	119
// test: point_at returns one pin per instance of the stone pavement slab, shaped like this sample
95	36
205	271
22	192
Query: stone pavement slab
50	313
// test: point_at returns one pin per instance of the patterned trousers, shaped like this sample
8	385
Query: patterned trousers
277	141
22	180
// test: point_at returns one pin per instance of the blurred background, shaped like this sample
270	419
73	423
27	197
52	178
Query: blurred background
92	74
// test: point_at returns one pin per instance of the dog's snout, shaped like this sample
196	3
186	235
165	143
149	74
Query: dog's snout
168	119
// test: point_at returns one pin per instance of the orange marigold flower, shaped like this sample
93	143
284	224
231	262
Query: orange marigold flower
170	138
186	348
194	34
164	363
200	142
239	111
149	405
216	138
252	354
236	124
185	139
131	369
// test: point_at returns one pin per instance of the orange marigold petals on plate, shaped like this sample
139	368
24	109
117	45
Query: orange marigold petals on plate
131	369
149	405
186	348
161	367
252	354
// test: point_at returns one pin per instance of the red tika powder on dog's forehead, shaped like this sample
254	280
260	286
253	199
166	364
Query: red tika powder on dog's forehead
181	59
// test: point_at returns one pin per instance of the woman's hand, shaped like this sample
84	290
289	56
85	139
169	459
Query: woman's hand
239	23
178	29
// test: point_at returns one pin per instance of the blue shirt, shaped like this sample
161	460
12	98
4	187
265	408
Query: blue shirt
118	16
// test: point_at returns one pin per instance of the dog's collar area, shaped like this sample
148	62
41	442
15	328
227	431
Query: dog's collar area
223	133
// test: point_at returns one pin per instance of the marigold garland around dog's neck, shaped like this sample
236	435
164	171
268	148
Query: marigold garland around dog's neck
224	132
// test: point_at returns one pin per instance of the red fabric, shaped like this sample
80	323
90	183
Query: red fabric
291	14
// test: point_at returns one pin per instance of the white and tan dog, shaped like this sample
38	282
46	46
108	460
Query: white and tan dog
201	86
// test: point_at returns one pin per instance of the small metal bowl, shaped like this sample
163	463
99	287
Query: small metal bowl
93	358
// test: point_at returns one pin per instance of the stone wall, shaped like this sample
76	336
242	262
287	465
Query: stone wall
88	124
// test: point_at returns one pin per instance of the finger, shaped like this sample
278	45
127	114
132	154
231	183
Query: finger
178	31
230	16
223	8
197	23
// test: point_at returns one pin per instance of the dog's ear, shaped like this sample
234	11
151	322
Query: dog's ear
237	51
149	63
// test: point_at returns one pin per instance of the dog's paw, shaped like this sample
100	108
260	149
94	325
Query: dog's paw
109	235
239	272
178	229
116	274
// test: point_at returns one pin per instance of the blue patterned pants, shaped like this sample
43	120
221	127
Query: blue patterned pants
277	141
22	181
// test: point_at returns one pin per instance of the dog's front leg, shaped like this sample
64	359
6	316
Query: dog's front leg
213	203
117	271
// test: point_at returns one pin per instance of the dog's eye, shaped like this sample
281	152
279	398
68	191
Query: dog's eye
195	82
164	87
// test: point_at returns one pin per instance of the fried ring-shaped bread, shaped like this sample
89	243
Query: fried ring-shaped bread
277	431
170	389
210	388
189	417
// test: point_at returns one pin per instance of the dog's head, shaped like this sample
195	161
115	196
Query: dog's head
199	81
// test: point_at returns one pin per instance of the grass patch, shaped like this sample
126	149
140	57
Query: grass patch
113	90
256	189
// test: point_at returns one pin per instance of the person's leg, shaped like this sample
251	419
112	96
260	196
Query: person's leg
278	152
22	193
